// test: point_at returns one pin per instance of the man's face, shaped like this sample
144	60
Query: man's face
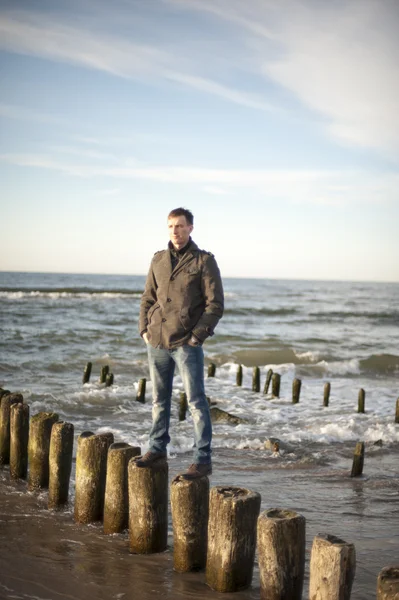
179	231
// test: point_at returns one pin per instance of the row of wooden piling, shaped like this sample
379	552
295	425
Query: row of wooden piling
105	375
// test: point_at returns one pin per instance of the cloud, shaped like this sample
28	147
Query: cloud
8	111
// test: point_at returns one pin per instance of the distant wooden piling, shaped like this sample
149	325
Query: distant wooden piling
388	583
397	411
239	376
361	400
103	373
233	514
276	379
256	379
211	369
268	380
296	390
19	436
7	400
183	406
190	511
332	568
140	397
326	394
281	554
87	373
116	502
109	380
91	468
358	460
148	507
60	463
39	449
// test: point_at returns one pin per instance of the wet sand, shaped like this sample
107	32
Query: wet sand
44	555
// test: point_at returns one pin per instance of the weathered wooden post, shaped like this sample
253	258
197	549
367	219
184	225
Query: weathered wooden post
60	463
233	514
397	411
190	511
332	568
19	436
358	460
268	380
87	372
109	380
39	449
281	552
326	395
211	369
296	390
4	393
103	373
91	469
141	391
256	379
388	583
239	376
148	507
7	400
361	400
183	406
116	503
276	385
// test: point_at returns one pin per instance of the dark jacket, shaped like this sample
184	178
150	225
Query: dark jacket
188	300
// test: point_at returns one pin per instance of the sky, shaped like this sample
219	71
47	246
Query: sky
275	123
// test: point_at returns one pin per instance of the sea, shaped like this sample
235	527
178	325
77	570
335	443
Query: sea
342	333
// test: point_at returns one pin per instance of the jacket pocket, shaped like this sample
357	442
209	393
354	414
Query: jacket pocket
151	312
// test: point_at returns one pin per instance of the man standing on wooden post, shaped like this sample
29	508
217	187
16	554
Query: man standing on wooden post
181	306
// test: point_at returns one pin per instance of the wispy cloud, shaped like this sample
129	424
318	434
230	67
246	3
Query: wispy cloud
9	111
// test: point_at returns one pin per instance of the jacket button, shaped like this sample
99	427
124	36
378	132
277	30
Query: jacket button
163	320
169	300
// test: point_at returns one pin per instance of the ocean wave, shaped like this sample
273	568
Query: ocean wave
380	363
72	292
269	312
386	317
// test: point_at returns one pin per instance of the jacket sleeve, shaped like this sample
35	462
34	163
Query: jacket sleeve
212	289
148	299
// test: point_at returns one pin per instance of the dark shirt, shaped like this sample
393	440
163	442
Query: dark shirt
176	255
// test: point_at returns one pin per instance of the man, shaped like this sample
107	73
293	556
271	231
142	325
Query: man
180	307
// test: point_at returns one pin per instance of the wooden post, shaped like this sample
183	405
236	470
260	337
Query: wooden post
281	552
183	406
19	436
268	380
39	449
87	372
332	568
60	463
388	583
7	400
4	393
233	514
361	400
103	373
296	390
190	512
141	391
116	503
256	379
91	469
148	507
109	380
326	395
239	376
211	370
276	385
397	411
358	460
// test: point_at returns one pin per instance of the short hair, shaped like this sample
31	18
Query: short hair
182	212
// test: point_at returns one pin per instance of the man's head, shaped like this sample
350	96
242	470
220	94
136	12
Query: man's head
180	225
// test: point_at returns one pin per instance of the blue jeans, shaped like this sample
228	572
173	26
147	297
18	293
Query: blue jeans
190	362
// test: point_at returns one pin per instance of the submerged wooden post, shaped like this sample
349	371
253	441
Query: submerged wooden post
332	568
148	507
358	460
256	379
239	376
91	468
233	514
109	380
141	391
388	583
103	373
183	406
7	400
276	379
397	411
60	463
296	390
116	503
281	553
268	380
361	400
190	510
19	436
326	394
39	449
87	372
211	370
